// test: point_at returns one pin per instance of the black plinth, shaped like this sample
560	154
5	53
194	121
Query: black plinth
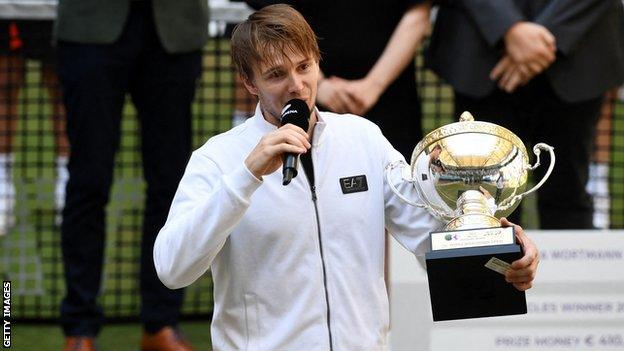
462	287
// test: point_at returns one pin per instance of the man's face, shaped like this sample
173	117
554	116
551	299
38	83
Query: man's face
292	76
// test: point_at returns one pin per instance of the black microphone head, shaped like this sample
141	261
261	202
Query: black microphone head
296	112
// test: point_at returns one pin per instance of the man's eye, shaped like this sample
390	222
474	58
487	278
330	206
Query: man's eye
304	66
275	74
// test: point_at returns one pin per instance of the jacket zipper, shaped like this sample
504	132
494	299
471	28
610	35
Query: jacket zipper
318	225
308	167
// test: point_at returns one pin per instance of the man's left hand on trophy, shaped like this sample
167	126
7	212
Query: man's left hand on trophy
522	272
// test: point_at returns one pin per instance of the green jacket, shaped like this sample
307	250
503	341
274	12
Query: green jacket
182	25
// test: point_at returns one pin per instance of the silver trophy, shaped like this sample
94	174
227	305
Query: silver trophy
469	174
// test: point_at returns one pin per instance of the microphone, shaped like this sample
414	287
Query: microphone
295	112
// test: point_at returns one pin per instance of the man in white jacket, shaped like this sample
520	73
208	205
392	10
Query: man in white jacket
296	267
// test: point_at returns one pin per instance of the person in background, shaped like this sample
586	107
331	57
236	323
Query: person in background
151	50
301	266
539	68
23	40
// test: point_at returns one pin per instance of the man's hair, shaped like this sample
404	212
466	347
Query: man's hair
270	34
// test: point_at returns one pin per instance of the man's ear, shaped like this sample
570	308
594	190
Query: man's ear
249	84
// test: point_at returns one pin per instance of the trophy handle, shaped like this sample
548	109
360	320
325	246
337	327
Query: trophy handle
400	163
510	201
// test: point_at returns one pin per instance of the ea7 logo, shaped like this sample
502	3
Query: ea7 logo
354	184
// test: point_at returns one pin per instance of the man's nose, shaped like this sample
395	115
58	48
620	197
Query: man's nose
295	83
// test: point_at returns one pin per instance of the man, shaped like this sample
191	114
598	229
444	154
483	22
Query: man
151	50
539	68
296	267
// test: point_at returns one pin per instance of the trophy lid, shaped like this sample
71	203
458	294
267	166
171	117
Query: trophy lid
469	143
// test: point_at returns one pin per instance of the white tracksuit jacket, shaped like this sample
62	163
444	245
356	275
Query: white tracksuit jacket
291	273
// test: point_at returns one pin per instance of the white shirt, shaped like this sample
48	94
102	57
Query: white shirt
273	289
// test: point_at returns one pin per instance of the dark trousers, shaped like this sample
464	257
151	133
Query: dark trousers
95	80
536	114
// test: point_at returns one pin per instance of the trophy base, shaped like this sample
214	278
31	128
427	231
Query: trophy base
462	287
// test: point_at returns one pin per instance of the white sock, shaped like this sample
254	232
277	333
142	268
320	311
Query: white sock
598	187
62	175
6	176
7	193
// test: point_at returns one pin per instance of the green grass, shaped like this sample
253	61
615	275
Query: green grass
117	337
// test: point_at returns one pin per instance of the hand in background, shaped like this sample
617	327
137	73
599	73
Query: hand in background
332	94
365	93
530	44
530	49
348	96
511	75
362	94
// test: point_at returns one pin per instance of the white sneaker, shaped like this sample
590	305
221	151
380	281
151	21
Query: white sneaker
598	187
7	193
62	175
7	204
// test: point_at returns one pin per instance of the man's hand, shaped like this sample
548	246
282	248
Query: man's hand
522	272
365	92
332	94
530	49
530	44
351	96
511	75
266	157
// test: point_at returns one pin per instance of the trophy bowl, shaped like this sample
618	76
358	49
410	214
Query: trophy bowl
471	173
